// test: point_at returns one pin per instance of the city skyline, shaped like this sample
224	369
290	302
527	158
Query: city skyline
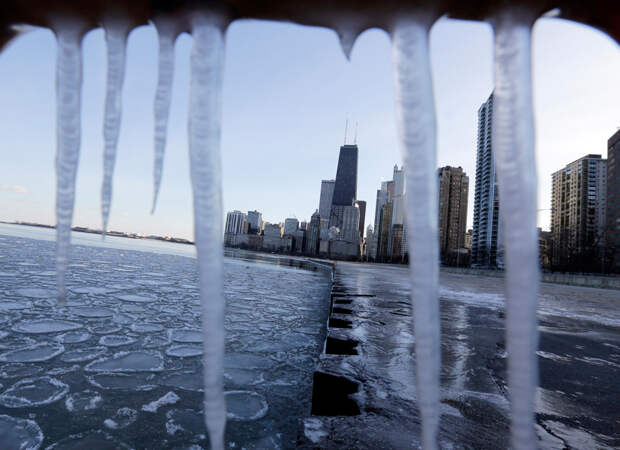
288	88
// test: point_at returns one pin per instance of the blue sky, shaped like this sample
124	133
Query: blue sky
287	92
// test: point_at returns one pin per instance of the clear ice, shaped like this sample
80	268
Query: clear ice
68	130
207	62
163	95
415	111
513	138
115	36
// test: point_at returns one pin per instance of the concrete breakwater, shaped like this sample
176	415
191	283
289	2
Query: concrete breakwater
364	393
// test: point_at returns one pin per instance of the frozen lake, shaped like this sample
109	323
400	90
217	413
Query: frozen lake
121	365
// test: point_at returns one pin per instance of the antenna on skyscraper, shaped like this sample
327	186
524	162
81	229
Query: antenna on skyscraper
355	140
346	125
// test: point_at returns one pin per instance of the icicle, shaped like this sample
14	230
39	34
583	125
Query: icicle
115	36
207	61
68	131
347	37
162	100
415	110
513	140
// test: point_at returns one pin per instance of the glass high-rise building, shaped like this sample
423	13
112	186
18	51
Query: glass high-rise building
486	242
345	189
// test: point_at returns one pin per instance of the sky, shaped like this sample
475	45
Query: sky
288	91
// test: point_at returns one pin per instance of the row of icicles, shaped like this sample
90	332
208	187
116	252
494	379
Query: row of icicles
514	153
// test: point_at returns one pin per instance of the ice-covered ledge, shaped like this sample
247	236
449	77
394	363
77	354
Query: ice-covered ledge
341	15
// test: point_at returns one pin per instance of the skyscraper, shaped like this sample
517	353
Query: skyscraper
314	231
325	202
612	231
344	216
578	206
345	188
236	224
290	226
453	190
325	205
255	222
398	214
382	199
361	204
486	238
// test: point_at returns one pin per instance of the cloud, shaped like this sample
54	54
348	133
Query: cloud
14	188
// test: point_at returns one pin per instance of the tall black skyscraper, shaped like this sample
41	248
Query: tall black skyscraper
345	190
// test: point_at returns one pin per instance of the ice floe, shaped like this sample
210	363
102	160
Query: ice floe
19	370
169	399
41	326
245	405
136	298
90	440
22	434
115	340
121	419
34	392
73	337
189	381
36	292
138	381
146	327
186	336
83	354
91	311
83	401
138	361
184	351
185	421
33	353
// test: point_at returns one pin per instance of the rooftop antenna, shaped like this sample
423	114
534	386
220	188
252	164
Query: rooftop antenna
346	125
355	141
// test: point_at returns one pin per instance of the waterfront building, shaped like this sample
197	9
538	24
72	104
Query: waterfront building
467	242
272	237
314	234
344	228
612	231
345	187
361	205
369	243
300	241
382	199
325	204
291	225
486	246
385	220
344	214
236	224
453	192
398	215
255	222
578	214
